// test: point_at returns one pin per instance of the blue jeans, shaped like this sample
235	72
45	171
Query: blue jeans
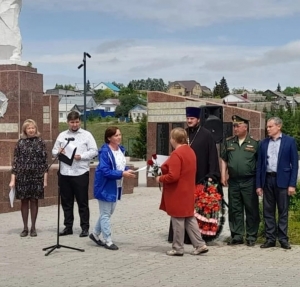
103	223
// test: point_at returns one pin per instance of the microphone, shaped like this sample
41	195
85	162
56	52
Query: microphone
69	139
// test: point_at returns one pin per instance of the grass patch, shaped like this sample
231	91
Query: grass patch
129	131
293	227
294	231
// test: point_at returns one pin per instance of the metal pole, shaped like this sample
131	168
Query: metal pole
66	105
84	90
294	104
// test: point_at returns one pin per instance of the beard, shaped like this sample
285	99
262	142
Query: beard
193	127
74	130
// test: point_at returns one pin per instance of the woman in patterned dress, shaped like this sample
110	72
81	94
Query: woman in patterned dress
29	173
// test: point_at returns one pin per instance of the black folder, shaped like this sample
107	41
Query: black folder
66	159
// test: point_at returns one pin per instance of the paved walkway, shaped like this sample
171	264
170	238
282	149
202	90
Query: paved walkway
140	230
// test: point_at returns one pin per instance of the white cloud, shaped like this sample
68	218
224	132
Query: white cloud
251	67
283	55
178	14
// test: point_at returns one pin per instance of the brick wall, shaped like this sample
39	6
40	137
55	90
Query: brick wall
166	108
51	190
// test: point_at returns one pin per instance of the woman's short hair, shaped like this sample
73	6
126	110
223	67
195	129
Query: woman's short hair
179	135
109	132
27	123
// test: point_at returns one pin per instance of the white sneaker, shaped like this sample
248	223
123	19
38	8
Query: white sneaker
200	250
173	252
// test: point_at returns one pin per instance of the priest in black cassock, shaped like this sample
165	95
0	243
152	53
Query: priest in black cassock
202	142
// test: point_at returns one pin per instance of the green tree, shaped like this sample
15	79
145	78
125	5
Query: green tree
139	148
128	99
291	122
88	85
149	84
265	110
118	85
224	88
254	91
130	86
237	90
290	91
278	88
58	86
217	91
65	87
102	95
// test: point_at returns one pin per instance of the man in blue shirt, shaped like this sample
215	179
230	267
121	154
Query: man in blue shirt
276	179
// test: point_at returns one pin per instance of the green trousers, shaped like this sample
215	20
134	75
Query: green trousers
242	199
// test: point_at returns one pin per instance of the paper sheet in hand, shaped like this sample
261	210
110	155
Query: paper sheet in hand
12	194
140	169
161	159
69	154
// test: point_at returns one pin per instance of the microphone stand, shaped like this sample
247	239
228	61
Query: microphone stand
58	245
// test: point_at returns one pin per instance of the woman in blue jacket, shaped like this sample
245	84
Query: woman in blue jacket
108	184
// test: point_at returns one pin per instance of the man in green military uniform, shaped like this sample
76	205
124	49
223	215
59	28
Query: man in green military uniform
239	157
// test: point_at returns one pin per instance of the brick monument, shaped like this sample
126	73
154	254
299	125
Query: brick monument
166	112
21	98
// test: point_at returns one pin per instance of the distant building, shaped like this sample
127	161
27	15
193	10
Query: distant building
63	93
233	100
79	102
280	100
109	105
137	112
206	92
242	101
185	88
107	85
64	109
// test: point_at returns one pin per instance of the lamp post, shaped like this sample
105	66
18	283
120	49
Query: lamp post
85	54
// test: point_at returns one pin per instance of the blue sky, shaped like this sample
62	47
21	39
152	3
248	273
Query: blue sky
253	44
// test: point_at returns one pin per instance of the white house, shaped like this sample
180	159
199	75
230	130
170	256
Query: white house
137	112
107	85
109	105
63	93
234	100
64	109
79	101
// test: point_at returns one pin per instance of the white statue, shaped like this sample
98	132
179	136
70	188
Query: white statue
10	36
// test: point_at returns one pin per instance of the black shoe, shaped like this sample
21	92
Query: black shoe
235	242
250	242
66	231
268	244
84	233
285	245
111	247
97	241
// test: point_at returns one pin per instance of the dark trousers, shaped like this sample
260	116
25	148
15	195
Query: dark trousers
243	199
272	196
75	187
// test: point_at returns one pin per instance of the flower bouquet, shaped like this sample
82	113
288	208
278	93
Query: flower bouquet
208	204
154	168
